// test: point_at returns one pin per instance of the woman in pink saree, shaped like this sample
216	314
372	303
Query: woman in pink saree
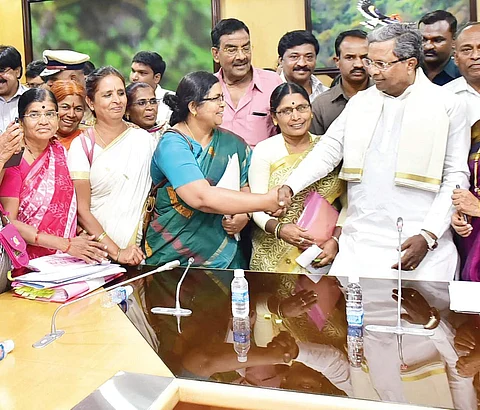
38	194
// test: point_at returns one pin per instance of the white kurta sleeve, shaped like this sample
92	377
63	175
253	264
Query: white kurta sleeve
329	361
324	157
455	169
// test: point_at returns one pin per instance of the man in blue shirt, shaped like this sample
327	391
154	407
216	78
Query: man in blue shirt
438	30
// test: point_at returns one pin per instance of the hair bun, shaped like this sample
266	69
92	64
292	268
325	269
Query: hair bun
171	100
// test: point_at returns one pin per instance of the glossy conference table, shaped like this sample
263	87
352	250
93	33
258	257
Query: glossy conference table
416	370
100	342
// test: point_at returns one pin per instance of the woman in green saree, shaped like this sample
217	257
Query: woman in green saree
278	242
190	159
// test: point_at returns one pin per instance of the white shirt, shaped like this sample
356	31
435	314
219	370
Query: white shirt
164	111
471	97
9	109
317	86
369	238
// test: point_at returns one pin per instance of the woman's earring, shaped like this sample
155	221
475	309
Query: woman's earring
194	114
311	116
127	116
275	123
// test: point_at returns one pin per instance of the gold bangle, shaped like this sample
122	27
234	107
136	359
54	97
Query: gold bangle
277	230
434	319
101	236
118	254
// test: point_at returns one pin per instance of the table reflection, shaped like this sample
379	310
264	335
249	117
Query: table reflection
299	337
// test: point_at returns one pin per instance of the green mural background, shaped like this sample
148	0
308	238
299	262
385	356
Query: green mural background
111	32
331	17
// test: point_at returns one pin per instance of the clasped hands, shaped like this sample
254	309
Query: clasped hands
465	204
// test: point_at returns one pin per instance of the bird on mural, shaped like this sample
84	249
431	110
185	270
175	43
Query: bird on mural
374	16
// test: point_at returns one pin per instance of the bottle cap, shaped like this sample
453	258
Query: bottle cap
242	359
239	273
128	290
8	345
353	278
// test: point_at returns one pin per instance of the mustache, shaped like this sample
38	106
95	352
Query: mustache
430	53
358	70
302	69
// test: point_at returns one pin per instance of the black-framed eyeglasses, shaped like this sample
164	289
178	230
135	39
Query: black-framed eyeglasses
287	112
218	99
144	103
381	65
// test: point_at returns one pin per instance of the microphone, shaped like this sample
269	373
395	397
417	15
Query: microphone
177	311
57	333
399	330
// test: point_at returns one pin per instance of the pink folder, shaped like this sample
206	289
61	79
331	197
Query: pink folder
319	218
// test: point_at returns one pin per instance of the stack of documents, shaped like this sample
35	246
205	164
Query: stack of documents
61	277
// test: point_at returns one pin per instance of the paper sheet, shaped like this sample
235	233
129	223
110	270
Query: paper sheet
305	261
231	179
464	296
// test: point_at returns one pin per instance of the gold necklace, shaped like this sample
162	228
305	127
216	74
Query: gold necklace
98	135
189	130
288	146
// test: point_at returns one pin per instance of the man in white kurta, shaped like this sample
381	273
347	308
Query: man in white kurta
389	138
467	47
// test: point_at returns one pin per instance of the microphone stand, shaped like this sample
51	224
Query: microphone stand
399	330
57	333
177	311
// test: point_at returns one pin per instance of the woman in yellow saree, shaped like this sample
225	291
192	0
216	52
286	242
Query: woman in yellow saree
278	242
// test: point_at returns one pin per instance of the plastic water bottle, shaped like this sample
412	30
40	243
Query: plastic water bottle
240	299
5	348
354	302
116	296
355	345
241	337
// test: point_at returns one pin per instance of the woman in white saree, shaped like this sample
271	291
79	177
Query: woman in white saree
110	166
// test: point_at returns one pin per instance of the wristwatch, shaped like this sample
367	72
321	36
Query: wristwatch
431	243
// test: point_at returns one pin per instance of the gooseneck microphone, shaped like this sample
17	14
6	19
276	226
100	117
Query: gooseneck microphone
57	333
177	311
399	330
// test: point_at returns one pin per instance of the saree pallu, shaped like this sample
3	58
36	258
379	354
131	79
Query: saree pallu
273	255
180	232
47	198
469	247
120	181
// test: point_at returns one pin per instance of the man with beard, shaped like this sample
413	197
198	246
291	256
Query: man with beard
10	87
467	57
350	48
246	89
438	31
297	55
404	145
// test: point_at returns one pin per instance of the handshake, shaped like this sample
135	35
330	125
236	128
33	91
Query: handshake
279	198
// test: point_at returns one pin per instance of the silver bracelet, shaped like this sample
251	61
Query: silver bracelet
336	240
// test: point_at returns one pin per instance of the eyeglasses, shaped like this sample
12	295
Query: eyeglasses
35	116
144	103
381	65
309	58
232	50
5	70
287	112
218	99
